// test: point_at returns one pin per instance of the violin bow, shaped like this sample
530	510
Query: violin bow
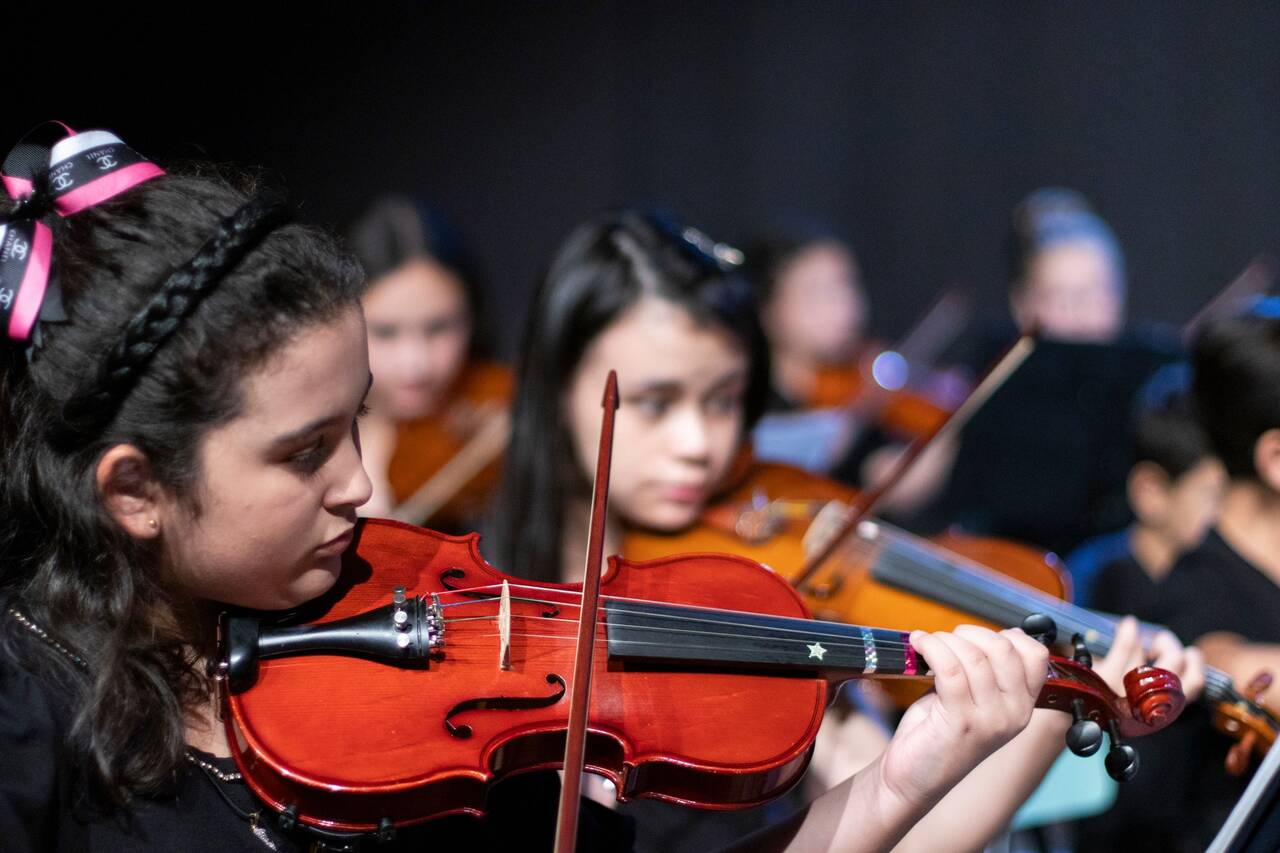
994	378
484	447
1254	280
580	700
931	334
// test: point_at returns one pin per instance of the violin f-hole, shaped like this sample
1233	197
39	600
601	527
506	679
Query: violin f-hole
462	731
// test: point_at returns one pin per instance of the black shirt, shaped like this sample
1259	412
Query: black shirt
1182	793
1123	586
42	809
1212	588
1046	458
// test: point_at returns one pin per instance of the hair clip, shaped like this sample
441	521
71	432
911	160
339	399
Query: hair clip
726	257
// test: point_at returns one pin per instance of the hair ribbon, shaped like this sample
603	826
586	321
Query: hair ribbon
53	170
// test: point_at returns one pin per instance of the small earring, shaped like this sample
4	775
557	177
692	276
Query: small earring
153	524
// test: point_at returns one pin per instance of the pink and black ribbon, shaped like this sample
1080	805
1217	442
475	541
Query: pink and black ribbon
52	171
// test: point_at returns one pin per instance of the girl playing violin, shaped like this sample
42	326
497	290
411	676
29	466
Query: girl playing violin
179	415
433	391
659	304
178	405
813	310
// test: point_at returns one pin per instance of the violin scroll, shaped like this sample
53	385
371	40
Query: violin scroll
1153	699
1155	695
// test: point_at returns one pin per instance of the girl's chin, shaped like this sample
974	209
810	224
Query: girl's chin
411	405
313	583
669	519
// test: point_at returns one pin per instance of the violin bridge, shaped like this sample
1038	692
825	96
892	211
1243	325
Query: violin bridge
504	627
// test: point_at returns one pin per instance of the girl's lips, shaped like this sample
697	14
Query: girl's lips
337	544
681	493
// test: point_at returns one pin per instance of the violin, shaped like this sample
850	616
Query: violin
767	516
426	675
916	567
891	388
896	580
446	464
904	411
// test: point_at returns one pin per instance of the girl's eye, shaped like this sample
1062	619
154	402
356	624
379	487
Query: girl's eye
442	326
362	411
311	459
651	407
724	403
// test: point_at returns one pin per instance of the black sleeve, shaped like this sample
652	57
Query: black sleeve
1192	608
28	763
1107	589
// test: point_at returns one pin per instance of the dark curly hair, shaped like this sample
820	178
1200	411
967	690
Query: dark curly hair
174	290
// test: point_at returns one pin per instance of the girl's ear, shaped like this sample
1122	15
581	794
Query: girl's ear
1266	458
1148	489
128	490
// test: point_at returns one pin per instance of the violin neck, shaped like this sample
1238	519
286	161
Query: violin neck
661	633
920	568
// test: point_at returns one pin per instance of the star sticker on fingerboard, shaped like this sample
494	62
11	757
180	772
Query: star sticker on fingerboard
817	651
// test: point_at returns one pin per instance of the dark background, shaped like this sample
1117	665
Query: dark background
911	127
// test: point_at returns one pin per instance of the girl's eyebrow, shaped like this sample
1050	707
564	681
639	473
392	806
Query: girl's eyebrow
673	386
656	386
735	375
315	426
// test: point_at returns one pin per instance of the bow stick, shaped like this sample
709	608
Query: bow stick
996	376
580	700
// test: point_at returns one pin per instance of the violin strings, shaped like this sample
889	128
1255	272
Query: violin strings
711	648
604	640
489	616
888	644
571	603
487	598
695	616
840	639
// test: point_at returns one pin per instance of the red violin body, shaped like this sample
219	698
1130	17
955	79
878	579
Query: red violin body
350	741
709	683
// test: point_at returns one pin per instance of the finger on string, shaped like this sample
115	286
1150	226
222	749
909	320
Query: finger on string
1167	652
1193	673
978	667
1006	663
950	680
1034	656
1126	648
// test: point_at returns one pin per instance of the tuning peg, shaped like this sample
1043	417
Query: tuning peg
1085	736
1041	628
1080	652
1122	759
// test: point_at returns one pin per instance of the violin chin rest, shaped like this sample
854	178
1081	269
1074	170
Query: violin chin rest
240	651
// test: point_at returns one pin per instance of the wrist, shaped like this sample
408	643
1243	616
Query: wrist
1049	724
895	805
